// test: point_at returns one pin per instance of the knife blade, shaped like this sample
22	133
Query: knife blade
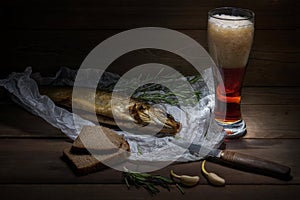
238	160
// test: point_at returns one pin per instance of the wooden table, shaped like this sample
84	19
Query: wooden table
31	164
50	34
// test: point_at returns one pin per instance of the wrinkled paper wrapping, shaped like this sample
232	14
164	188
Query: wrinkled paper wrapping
197	126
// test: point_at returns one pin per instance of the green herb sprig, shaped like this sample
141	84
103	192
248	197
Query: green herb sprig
158	93
149	182
155	93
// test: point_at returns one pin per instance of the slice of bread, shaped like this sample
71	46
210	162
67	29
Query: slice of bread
85	164
106	146
98	140
82	164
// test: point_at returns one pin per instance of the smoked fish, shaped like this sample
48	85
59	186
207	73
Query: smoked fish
137	112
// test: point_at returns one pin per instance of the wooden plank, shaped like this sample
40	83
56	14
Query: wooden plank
17	122
270	73
273	62
100	191
268	112
38	161
250	96
271	96
119	14
267	121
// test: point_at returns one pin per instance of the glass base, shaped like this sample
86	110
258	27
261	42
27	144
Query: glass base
234	129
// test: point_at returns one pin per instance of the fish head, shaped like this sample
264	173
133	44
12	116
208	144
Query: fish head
147	115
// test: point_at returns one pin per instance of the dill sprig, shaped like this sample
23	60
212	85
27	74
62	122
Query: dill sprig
148	181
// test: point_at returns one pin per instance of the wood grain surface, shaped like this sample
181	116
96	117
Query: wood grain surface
274	59
41	163
270	112
116	14
104	191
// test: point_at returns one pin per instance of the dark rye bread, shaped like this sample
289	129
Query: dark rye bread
98	140
84	163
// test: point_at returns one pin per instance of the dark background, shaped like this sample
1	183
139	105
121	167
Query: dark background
48	34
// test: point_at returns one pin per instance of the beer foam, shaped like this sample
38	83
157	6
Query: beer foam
230	39
229	21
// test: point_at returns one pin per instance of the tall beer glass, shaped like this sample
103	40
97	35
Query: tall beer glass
230	36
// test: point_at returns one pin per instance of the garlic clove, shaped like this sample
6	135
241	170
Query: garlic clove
189	180
214	179
186	180
174	175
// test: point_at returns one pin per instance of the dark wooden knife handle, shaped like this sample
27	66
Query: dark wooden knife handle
255	164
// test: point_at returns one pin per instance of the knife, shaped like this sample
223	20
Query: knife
239	160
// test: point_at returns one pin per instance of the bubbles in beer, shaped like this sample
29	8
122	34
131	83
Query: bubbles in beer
230	39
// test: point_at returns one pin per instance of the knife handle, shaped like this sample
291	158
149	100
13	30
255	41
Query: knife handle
255	164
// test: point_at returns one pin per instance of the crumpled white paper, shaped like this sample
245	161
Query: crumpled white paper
196	128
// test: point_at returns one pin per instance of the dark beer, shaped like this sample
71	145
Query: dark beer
229	40
228	99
